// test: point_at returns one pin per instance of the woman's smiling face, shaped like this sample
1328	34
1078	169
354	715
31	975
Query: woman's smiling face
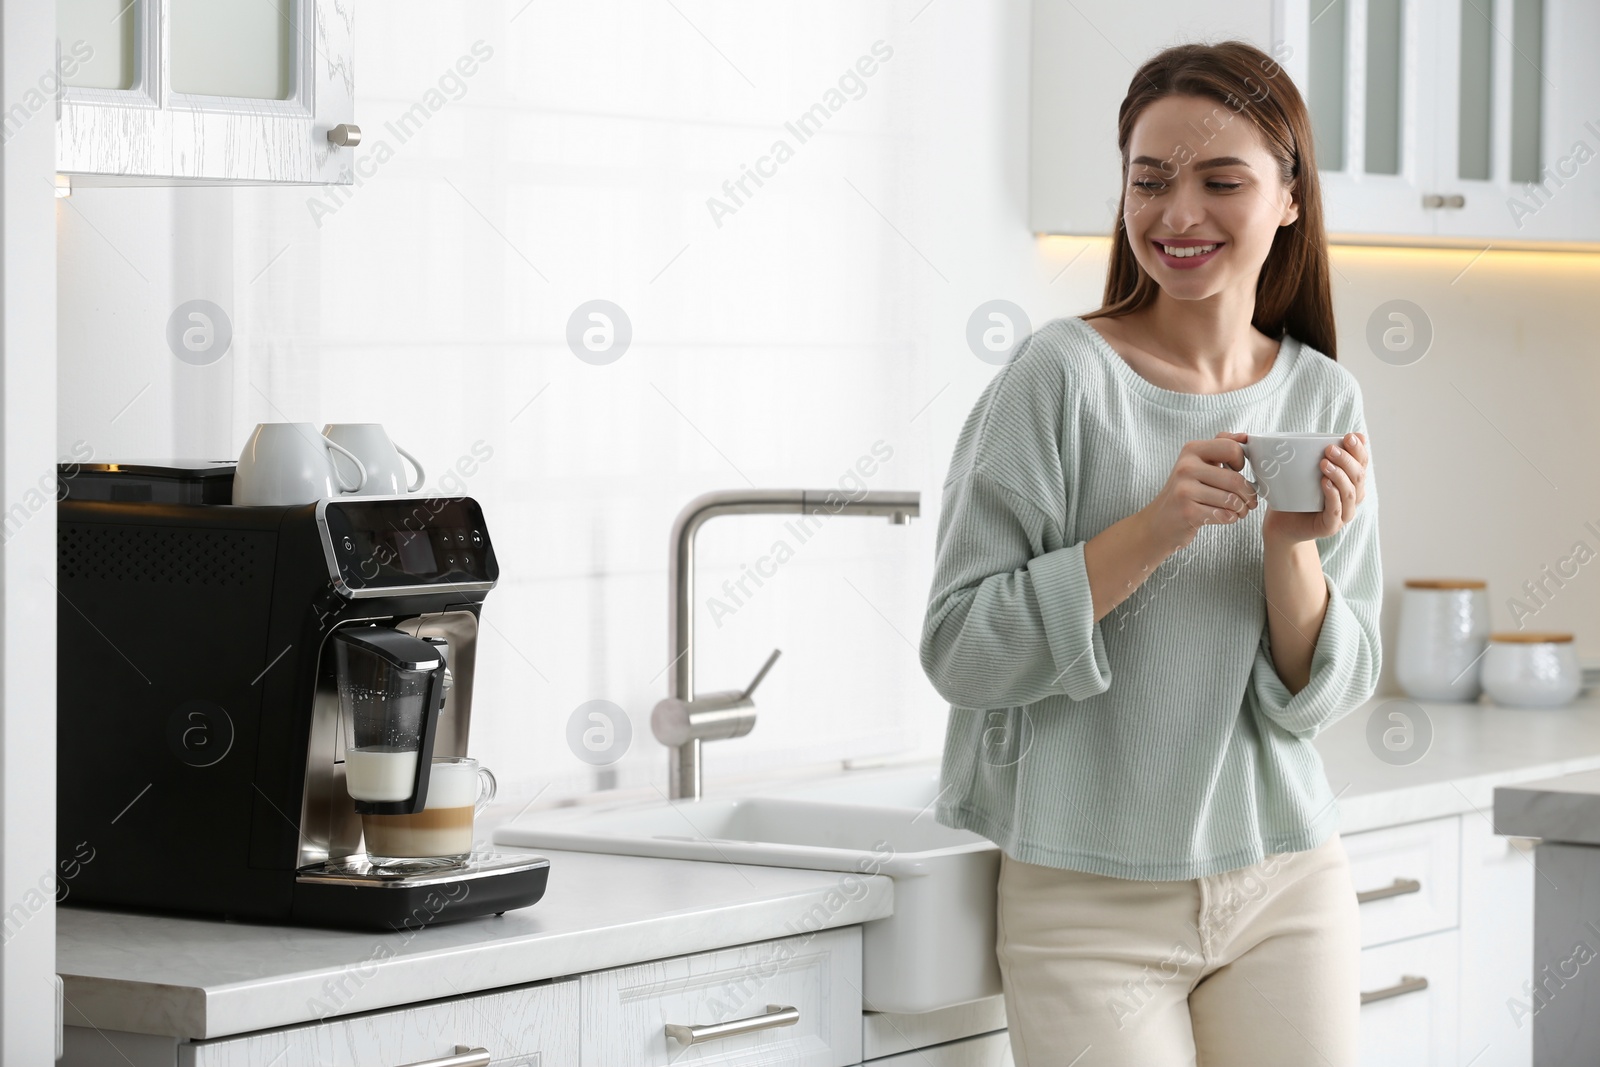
1200	175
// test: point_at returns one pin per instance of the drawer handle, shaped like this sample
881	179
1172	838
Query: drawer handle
1400	888
776	1015
1409	983
465	1056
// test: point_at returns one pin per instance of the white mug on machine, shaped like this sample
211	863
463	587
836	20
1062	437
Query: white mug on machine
290	463
381	457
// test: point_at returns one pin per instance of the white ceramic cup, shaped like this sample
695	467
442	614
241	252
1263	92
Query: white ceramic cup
1288	468
290	463
386	472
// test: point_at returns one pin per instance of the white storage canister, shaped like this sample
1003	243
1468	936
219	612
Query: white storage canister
1444	628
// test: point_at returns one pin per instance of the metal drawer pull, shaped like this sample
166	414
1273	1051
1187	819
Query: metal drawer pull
1400	888
1409	983
777	1015
465	1056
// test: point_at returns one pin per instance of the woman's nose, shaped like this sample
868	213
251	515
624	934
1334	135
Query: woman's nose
1183	208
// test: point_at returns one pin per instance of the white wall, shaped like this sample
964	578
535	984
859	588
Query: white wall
29	877
826	314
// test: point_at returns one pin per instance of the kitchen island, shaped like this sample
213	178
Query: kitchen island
1564	813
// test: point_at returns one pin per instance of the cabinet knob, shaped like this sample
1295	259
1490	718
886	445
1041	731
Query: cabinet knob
1429	200
1455	200
345	135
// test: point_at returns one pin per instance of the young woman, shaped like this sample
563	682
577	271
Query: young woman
1137	655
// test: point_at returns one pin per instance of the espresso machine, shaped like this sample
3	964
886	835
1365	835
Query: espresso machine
207	655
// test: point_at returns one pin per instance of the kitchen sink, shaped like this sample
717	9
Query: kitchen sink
935	951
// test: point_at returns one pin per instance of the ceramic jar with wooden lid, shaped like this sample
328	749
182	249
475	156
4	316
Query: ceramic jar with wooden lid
1444	625
1531	670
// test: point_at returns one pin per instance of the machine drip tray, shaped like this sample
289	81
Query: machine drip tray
344	892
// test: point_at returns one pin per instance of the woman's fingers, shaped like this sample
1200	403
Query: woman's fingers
1352	465
1342	484
1226	480
1221	500
1356	444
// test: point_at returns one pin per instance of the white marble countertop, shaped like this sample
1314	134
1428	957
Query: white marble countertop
202	978
1474	748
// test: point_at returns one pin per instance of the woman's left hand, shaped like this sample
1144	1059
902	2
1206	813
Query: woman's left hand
1344	486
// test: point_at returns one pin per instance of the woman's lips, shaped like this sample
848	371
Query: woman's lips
1187	262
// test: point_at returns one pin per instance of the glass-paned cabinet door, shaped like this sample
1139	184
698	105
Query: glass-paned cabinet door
1513	107
1367	70
173	91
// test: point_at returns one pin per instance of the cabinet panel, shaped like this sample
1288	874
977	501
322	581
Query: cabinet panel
1411	875
990	1050
1416	1028
144	129
884	1033
1383	56
240	49
626	1011
1497	891
98	41
532	1026
1494	119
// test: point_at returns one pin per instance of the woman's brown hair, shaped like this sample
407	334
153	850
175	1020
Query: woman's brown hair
1293	292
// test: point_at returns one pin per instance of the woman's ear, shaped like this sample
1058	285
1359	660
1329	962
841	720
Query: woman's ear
1291	211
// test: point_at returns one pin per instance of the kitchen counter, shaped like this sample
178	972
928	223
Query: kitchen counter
1474	748
200	978
204	978
1564	809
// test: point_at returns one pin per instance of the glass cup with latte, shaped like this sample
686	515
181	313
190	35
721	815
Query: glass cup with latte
441	833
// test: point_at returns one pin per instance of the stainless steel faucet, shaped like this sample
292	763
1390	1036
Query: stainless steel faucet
682	720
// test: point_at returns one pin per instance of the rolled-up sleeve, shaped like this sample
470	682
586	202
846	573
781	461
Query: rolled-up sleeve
1010	620
1348	655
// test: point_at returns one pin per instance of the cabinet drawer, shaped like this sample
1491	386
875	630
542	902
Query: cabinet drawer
1411	877
990	1050
626	1011
530	1026
1415	1028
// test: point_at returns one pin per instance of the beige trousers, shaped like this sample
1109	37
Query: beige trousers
1258	965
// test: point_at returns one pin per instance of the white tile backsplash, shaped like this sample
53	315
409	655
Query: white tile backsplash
826	313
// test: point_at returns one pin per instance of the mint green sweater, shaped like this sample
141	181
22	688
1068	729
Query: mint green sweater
1158	742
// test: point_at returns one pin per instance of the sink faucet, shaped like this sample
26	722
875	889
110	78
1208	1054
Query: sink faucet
682	720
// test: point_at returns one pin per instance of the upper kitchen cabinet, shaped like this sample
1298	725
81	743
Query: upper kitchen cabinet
1452	122
1083	57
1436	122
173	92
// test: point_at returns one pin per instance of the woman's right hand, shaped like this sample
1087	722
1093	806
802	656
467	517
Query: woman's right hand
1204	488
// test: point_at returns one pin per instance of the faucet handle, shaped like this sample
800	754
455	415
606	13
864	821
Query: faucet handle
762	673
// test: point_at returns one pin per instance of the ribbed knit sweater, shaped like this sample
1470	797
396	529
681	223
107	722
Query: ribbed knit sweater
1158	742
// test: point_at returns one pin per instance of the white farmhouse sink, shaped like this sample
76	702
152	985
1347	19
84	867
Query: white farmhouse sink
936	950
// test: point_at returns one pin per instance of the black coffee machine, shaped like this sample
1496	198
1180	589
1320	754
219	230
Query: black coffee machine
199	744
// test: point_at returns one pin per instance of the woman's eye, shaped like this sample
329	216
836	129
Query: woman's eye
1225	187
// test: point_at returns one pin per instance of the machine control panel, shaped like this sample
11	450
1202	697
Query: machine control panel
378	546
